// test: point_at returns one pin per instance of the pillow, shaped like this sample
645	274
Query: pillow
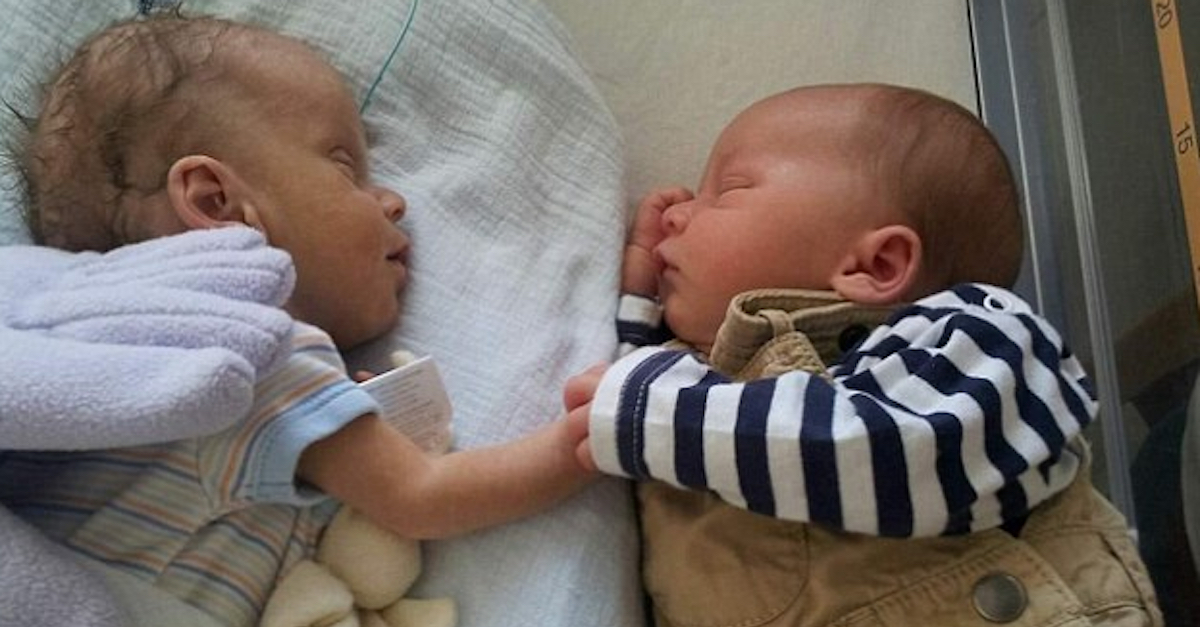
512	169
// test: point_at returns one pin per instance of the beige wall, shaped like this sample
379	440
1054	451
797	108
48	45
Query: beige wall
674	71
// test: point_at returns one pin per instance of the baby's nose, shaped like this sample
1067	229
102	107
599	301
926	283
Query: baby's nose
675	218
393	204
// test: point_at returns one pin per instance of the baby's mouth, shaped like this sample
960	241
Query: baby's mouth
398	261
398	257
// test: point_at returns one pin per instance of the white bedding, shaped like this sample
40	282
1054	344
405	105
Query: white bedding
511	166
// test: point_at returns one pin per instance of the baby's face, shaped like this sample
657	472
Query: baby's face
308	167
779	206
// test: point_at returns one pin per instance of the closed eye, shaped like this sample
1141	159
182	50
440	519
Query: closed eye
346	163
730	194
733	184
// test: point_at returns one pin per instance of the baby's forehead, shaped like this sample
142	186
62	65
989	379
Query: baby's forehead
794	126
287	67
295	97
263	79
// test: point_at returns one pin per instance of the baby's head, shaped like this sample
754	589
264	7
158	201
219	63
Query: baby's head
159	125
881	193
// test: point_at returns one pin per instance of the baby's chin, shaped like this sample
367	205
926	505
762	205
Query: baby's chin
386	321
368	328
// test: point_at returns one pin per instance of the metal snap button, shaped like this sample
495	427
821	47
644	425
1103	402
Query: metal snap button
1000	598
993	302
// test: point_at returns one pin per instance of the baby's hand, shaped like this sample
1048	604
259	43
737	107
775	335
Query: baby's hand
580	388
577	427
577	398
641	266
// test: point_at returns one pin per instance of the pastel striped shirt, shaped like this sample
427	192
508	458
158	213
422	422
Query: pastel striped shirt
959	413
213	520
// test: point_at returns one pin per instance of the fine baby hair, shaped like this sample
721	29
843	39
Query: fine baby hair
111	121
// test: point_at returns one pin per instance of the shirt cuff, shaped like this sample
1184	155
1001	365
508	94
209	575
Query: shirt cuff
272	467
639	323
639	309
610	433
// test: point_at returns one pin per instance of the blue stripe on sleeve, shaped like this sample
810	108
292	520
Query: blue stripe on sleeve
970	293
948	437
635	333
914	360
750	433
818	454
1013	502
956	487
889	468
946	378
1032	409
1045	352
631	414
887	346
689	431
1045	467
641	334
892	344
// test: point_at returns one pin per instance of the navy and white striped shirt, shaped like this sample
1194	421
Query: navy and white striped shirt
953	416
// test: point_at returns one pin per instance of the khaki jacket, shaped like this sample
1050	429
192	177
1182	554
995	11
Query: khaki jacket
708	564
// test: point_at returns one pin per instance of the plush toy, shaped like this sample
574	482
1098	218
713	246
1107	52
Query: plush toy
358	577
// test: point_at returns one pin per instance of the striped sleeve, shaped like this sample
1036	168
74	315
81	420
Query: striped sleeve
639	323
956	416
307	399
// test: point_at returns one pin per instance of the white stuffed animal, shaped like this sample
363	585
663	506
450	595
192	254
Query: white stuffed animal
357	578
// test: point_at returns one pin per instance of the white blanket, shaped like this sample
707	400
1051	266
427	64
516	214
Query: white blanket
512	169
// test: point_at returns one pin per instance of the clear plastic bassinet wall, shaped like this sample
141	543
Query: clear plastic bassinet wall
1076	90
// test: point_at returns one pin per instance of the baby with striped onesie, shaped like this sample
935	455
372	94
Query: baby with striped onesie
852	420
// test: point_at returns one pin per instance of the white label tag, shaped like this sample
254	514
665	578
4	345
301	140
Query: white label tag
413	400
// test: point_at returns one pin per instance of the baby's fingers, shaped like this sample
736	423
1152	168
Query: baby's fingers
647	226
583	454
580	388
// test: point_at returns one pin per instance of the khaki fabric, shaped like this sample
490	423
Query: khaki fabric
768	332
708	564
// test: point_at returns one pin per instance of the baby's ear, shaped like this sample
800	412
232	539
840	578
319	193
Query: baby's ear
205	192
881	267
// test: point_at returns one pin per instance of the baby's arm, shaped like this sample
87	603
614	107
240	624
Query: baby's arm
377	470
955	418
313	426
